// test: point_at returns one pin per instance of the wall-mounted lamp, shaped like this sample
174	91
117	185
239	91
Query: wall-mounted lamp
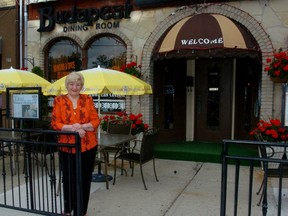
30	60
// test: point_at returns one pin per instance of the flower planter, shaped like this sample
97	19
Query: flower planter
138	141
278	154
279	80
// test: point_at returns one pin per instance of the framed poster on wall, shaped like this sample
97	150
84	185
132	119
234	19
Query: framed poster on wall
23	103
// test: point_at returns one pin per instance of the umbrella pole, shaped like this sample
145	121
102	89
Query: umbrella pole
99	176
99	115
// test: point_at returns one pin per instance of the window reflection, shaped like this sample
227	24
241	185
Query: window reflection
213	98
107	52
169	101
64	57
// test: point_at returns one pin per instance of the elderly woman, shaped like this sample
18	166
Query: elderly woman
76	112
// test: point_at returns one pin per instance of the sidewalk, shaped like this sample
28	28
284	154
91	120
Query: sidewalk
184	188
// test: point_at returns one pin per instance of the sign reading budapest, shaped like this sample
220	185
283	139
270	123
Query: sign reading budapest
88	16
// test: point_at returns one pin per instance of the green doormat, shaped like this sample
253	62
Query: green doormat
200	151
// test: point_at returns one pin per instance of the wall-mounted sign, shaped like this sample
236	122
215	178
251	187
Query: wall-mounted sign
87	16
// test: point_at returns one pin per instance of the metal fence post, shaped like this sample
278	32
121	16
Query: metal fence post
223	180
79	175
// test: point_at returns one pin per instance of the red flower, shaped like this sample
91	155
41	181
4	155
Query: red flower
132	69
278	66
271	130
137	123
277	73
24	68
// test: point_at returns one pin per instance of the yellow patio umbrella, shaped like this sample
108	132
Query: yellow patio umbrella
20	78
104	81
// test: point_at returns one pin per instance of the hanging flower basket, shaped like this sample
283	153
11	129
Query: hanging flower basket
278	67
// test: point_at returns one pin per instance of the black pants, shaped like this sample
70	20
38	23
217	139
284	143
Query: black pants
68	162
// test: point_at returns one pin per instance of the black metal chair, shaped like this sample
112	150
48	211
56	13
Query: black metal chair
272	169
145	154
118	126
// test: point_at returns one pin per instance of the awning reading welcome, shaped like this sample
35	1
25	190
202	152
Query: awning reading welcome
206	32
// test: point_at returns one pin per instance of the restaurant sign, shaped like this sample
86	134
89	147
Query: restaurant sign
86	16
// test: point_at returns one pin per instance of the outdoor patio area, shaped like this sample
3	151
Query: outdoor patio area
184	188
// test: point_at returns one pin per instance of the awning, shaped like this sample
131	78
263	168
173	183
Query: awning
207	32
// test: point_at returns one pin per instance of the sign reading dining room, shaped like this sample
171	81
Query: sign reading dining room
87	16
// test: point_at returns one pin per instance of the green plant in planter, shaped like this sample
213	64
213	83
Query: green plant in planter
37	70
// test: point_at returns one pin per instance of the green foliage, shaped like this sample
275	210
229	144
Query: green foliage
37	70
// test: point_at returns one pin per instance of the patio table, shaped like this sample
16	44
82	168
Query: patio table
109	140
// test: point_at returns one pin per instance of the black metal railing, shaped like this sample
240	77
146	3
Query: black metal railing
31	175
271	166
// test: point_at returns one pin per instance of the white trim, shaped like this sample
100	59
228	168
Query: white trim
190	102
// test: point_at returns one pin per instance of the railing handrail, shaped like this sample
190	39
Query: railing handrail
27	141
228	155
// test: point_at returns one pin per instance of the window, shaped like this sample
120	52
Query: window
213	105
108	52
64	57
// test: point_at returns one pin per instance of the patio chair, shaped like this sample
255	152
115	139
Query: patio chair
272	169
117	126
145	154
114	127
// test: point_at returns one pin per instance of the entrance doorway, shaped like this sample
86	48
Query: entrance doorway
213	93
221	110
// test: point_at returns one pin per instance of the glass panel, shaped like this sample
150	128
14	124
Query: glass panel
108	52
64	57
213	99
169	93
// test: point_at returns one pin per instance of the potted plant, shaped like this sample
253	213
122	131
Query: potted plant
278	67
132	69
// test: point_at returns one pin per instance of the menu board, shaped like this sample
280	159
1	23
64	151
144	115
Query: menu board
23	103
